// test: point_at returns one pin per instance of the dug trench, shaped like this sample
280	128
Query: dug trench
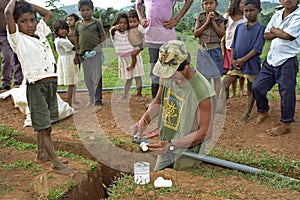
94	184
91	186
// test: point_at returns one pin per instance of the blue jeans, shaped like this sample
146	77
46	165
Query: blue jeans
285	76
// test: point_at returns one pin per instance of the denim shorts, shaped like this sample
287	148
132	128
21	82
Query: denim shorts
210	62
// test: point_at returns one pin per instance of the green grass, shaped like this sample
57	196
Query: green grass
110	69
21	164
8	138
61	190
124	185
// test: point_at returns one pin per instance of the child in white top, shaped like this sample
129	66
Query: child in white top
119	36
28	39
68	72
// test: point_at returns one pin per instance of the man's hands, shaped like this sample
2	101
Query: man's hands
159	148
139	127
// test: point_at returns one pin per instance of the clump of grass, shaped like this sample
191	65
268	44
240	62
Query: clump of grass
273	165
124	186
21	164
7	136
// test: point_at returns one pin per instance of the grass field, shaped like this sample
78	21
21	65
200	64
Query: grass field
110	67
110	71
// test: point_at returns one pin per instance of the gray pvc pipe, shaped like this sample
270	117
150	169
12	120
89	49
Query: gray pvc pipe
232	165
104	89
223	163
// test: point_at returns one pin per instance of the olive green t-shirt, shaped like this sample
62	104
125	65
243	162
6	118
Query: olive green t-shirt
90	35
180	104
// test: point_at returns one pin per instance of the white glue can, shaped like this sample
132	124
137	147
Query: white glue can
141	173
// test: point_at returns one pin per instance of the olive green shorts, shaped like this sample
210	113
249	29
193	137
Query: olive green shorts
42	103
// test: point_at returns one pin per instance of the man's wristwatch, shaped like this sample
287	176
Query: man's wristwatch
171	146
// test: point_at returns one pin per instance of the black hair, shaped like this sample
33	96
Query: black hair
88	3
214	0
256	3
21	8
59	24
76	17
118	18
133	14
233	7
184	63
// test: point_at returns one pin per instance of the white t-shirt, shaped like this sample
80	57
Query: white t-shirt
280	49
35	55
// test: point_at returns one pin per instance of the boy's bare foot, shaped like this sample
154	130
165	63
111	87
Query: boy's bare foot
261	117
41	160
284	128
47	159
65	170
244	119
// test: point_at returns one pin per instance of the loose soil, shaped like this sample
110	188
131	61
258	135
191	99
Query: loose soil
16	183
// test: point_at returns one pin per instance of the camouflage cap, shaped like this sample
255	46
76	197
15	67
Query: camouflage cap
171	55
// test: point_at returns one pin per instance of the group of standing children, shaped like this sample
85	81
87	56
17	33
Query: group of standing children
245	38
242	57
80	42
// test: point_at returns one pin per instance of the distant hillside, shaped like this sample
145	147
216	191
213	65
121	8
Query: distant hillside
71	9
195	9
74	9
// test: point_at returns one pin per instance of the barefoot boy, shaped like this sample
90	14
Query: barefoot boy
28	40
281	65
246	56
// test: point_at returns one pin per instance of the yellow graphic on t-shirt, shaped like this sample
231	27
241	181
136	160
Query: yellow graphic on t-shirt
172	109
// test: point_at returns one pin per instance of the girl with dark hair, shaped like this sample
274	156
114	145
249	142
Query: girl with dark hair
233	16
119	36
67	71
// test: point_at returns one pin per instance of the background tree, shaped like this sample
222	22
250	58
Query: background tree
57	14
